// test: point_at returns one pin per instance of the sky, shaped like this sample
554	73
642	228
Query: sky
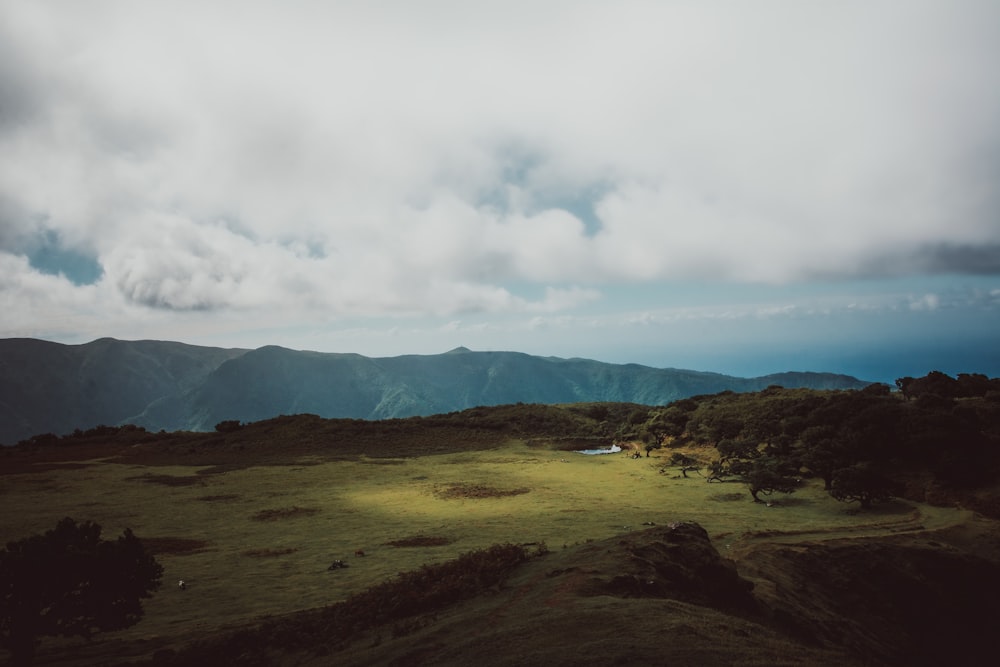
739	187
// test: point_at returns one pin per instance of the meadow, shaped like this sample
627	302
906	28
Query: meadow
254	542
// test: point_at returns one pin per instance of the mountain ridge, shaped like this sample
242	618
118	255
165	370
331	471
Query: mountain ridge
166	385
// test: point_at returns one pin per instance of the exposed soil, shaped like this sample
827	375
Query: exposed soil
175	546
269	553
284	513
168	480
476	491
421	541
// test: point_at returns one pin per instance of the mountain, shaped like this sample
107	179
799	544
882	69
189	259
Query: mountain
51	387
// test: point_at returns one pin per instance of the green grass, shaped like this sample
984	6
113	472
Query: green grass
254	542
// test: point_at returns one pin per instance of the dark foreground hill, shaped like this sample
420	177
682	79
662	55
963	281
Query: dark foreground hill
660	596
49	387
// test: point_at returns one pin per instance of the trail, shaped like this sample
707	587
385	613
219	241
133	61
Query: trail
921	518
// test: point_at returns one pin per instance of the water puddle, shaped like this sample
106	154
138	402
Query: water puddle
613	449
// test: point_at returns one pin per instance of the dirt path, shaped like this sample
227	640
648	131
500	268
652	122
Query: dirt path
919	518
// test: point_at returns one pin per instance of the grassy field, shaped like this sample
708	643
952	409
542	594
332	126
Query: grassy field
257	541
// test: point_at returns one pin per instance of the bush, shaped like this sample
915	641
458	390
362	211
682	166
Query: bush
228	426
70	582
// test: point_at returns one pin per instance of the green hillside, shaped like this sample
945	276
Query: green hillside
52	388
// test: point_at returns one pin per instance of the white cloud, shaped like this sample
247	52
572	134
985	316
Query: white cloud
346	160
925	302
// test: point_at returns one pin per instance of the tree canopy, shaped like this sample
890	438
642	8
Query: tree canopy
69	582
863	443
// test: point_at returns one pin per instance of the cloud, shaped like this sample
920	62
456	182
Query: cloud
367	160
926	302
951	258
37	304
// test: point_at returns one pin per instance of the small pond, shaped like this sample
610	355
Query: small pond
602	450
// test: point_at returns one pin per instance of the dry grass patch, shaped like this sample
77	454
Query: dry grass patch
727	497
73	465
218	498
174	546
269	553
284	513
167	480
463	490
223	469
421	541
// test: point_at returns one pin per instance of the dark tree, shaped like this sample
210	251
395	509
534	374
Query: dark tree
768	474
862	482
822	452
684	462
936	383
228	426
69	582
652	439
738	449
715	426
673	419
877	389
905	386
975	384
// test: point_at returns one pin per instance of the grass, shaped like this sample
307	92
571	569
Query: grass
284	513
421	541
269	553
255	542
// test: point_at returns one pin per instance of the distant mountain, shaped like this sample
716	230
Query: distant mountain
50	387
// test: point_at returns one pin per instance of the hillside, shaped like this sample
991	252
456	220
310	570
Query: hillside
562	559
49	387
664	595
53	388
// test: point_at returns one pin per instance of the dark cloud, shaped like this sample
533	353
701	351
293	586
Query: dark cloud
936	259
21	92
951	258
12	224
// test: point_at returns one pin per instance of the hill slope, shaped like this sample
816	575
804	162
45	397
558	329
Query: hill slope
665	595
49	387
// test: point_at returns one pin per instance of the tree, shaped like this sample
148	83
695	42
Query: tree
684	462
768	474
652	439
822	452
228	426
905	386
69	582
975	384
862	482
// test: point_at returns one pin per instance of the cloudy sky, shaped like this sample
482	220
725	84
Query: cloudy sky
744	187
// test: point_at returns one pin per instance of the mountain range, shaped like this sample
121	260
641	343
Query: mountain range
48	387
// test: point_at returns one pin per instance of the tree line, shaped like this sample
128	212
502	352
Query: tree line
864	444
